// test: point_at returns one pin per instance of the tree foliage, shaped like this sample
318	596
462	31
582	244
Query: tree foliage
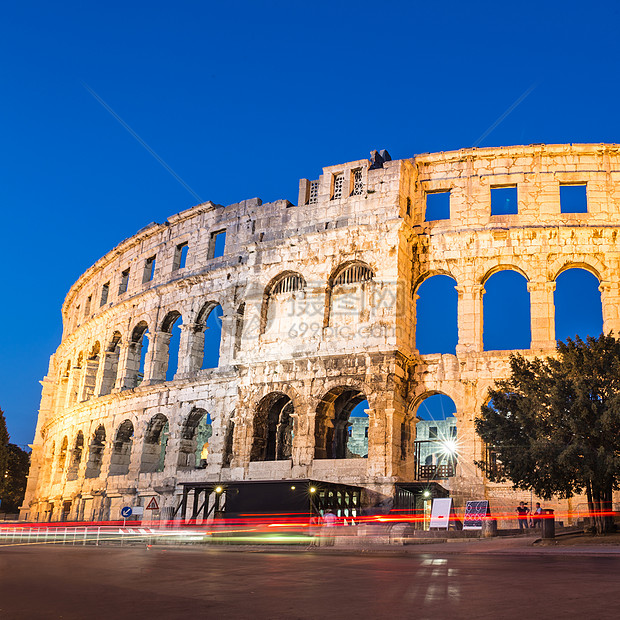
14	465
554	424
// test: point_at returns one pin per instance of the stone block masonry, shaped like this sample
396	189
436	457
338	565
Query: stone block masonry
317	308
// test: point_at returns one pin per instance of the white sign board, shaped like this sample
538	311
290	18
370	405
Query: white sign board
440	512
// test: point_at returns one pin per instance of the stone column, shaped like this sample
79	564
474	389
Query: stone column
610	300
124	357
470	318
91	369
303	442
108	372
542	314
157	357
227	339
190	349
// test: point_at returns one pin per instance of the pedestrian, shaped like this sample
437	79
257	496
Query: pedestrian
537	516
522	512
315	529
329	522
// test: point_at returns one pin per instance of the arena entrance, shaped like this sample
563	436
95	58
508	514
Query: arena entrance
247	499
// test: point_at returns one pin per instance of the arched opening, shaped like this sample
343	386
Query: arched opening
348	298
120	458
155	442
436	442
195	436
212	333
334	421
283	305
95	453
76	457
273	429
136	356
206	338
110	364
62	459
168	344
506	312
437	315
578	307
90	376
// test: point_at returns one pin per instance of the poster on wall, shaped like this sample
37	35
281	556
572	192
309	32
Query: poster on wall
475	512
440	513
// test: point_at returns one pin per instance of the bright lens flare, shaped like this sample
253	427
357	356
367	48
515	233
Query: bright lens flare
449	447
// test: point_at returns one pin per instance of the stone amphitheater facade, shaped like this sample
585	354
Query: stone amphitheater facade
318	313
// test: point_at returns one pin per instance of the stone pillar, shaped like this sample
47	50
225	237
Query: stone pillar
38	464
190	348
89	378
125	377
108	372
303	441
610	300
542	314
157	357
378	448
470	318
242	441
73	385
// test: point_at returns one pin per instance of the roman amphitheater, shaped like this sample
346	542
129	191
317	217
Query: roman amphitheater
316	306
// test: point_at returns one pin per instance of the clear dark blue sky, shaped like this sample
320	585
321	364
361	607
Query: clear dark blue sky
241	99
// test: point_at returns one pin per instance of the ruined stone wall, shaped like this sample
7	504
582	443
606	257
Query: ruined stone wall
319	303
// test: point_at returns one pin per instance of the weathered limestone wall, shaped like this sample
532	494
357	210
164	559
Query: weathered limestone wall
293	324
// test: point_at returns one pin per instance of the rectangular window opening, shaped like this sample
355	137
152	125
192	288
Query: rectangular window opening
122	287
432	432
358	183
504	200
180	256
573	198
437	206
314	193
105	291
89	300
149	269
218	242
338	184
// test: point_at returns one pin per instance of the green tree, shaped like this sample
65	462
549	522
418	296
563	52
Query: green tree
554	424
13	484
14	465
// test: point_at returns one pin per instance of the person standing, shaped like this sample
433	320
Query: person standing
537	515
329	523
522	512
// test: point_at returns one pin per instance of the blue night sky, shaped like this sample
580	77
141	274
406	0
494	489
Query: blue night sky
241	99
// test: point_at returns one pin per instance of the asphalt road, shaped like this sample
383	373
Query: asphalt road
118	583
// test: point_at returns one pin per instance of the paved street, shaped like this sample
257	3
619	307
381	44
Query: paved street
73	582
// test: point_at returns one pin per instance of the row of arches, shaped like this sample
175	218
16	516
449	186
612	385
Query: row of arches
506	310
124	365
341	426
192	453
340	432
287	303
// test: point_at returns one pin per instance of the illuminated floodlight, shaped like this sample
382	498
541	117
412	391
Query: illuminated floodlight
312	490
218	489
293	488
426	493
449	447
